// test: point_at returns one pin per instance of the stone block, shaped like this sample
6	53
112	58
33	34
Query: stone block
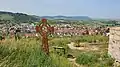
114	43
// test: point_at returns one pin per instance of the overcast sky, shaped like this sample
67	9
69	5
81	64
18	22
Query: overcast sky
92	8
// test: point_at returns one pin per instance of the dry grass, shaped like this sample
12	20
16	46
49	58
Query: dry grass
28	53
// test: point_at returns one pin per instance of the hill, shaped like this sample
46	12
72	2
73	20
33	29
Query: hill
68	17
17	17
24	18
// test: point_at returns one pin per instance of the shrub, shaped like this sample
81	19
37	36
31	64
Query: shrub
86	58
106	60
95	60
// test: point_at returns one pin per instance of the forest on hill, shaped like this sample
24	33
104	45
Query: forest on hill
25	18
9	17
17	17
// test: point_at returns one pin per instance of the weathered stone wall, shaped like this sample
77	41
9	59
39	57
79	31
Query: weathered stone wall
114	43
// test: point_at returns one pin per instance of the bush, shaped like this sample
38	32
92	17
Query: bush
95	60
86	58
0	37
106	60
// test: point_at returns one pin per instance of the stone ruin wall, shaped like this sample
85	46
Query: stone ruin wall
114	43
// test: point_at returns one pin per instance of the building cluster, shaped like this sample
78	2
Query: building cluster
68	30
60	30
25	28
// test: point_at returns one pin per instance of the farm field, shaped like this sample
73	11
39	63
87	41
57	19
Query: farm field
27	52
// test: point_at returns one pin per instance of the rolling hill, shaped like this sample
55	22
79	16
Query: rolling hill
24	18
68	17
17	17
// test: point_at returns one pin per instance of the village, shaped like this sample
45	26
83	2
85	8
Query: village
69	41
59	33
60	29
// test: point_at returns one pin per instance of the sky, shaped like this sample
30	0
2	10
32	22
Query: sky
91	8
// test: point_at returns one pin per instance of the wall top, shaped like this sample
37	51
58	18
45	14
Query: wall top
115	28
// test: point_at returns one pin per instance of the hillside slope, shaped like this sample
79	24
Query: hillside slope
17	17
67	17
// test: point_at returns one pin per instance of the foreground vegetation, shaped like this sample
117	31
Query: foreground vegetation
28	53
90	59
87	58
93	58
